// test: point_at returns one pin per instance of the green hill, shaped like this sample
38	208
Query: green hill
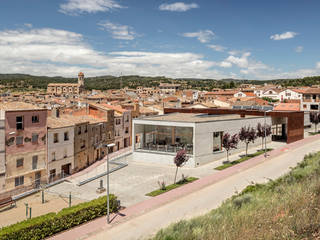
24	81
287	208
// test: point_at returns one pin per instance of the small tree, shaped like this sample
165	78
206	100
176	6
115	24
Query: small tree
263	131
315	118
229	142
180	160
247	135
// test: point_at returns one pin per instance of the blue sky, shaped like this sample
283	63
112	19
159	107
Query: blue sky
201	38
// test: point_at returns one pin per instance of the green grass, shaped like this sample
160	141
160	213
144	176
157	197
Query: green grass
172	186
286	208
245	158
314	133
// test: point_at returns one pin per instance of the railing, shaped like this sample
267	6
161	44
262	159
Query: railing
167	148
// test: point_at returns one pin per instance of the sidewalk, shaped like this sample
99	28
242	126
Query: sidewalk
98	225
98	163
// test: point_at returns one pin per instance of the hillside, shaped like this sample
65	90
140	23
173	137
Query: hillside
287	208
24	81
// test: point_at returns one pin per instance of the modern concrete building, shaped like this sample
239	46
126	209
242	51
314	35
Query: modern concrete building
158	138
23	146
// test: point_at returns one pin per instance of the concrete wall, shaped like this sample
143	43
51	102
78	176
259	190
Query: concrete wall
203	147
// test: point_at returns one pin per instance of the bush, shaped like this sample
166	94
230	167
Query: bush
239	201
52	223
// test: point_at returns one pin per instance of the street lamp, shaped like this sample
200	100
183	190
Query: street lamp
265	133
108	202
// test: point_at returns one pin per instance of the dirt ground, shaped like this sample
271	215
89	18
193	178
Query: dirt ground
53	203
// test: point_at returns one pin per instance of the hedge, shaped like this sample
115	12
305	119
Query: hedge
52	223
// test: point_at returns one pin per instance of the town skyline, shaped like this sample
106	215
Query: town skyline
108	37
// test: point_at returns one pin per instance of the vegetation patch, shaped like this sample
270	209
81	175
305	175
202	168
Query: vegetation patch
52	223
245	158
164	189
286	208
314	133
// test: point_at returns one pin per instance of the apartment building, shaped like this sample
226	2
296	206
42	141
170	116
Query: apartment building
60	147
23	146
310	99
121	124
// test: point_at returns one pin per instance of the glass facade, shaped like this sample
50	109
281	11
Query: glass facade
164	138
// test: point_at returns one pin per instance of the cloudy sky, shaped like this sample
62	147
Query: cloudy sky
201	38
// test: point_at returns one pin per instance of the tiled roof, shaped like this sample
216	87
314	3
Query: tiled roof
287	107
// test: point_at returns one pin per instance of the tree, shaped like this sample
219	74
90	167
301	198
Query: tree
229	142
263	131
247	135
315	119
180	160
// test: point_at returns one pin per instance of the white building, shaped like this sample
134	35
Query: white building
289	94
268	92
158	138
60	147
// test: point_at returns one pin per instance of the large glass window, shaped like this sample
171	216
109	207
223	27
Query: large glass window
166	138
217	141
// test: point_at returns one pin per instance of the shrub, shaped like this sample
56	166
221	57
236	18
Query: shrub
162	185
52	223
239	201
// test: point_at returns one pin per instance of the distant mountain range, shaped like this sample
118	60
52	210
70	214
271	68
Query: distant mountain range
22	82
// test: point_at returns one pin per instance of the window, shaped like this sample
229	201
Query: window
35	138
52	174
83	145
79	130
314	97
34	162
217	141
19	140
55	138
118	121
19	181
19	122
127	120
109	135
35	119
86	129
53	156
304	105
66	136
19	162
127	130
314	107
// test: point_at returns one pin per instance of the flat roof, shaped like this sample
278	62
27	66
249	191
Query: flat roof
196	117
18	106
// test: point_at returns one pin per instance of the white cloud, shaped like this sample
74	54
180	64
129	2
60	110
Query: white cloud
217	48
299	49
241	62
75	7
118	31
282	36
203	36
318	65
55	52
178	6
29	25
225	64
